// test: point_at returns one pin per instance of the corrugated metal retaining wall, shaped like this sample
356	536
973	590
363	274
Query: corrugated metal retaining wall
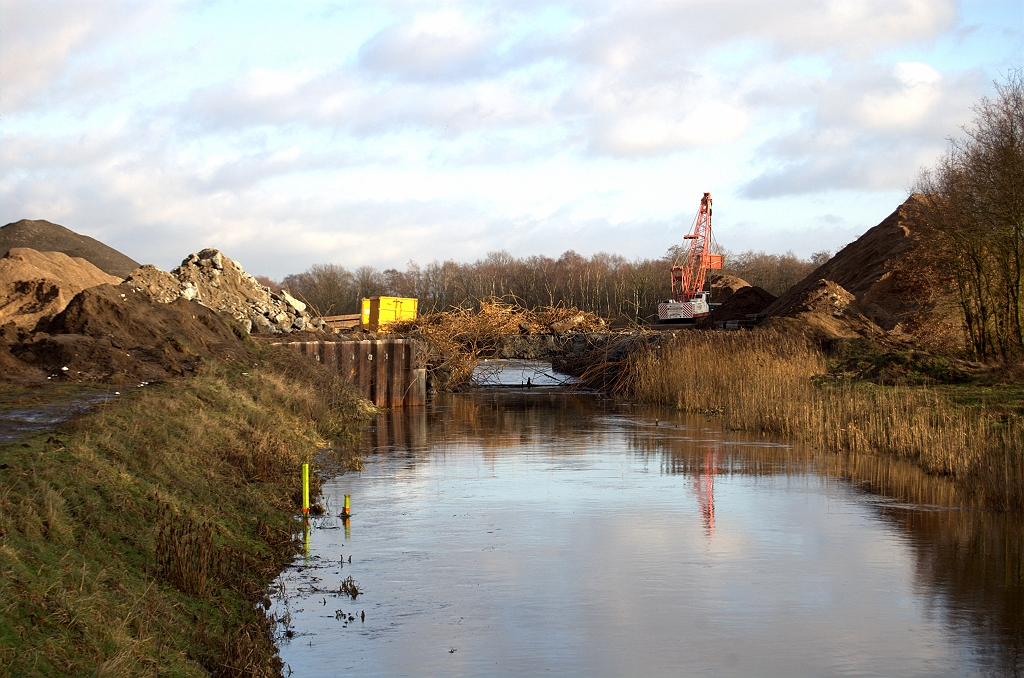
383	369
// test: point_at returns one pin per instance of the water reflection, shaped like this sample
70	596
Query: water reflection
704	487
538	532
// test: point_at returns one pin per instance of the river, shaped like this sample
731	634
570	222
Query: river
514	532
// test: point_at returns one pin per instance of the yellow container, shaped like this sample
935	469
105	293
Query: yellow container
379	311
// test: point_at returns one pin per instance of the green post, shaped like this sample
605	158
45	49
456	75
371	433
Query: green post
305	489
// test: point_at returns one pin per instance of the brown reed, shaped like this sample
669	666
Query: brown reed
774	383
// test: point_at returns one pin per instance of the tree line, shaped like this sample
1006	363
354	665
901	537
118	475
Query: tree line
606	284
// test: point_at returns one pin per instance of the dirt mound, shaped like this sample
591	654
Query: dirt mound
723	287
38	285
825	312
44	236
745	302
110	334
215	281
887	284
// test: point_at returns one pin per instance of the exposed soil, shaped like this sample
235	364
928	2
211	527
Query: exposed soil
110	334
879	283
723	287
44	236
743	303
38	285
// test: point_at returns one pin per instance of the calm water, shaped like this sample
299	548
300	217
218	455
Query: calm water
522	533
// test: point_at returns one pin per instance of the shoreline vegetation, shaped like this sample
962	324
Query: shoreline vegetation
140	537
780	384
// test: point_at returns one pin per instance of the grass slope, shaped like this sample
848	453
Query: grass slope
139	539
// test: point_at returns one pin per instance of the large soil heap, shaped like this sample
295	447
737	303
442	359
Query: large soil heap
724	286
743	303
110	334
38	285
215	281
44	236
63	318
875	285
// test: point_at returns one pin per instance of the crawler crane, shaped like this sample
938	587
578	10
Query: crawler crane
689	299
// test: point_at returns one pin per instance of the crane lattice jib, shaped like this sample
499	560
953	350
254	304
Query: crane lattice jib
688	279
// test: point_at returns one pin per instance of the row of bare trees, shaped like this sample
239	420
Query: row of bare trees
606	284
975	211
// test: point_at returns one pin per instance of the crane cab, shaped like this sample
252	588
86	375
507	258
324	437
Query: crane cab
698	306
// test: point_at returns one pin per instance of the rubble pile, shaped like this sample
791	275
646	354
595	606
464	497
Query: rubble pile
215	281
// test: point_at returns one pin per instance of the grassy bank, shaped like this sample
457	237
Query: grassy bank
774	384
139	538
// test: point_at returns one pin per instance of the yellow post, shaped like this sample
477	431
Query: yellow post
347	511
305	489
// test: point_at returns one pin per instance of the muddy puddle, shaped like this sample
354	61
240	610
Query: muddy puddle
19	423
517	532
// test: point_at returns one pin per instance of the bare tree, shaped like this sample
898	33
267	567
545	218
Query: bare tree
974	210
329	288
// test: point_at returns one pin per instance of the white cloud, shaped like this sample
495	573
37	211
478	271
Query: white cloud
41	38
919	90
429	46
452	128
710	123
867	128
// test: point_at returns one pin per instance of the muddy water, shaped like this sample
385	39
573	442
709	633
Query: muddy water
521	533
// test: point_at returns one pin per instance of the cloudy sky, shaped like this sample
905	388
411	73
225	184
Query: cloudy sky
294	133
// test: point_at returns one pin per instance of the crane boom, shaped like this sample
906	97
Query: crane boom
689	300
688	279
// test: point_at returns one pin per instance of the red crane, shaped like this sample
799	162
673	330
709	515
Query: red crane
689	300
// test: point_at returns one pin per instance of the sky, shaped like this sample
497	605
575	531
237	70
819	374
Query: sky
288	134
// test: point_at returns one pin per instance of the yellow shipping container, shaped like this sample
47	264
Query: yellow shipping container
379	311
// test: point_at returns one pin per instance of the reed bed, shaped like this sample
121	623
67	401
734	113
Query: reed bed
773	383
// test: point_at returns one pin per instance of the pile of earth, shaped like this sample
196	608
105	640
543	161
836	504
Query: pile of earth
65	318
878	284
215	281
44	236
825	312
108	333
36	286
724	286
743	303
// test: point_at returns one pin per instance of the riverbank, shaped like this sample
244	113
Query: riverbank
140	536
781	384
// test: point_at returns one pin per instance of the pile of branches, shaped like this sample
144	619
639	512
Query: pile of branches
459	338
605	367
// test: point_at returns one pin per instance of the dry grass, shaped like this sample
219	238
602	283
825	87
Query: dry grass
138	539
771	383
460	338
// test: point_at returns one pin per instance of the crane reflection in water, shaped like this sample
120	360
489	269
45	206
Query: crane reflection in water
704	485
